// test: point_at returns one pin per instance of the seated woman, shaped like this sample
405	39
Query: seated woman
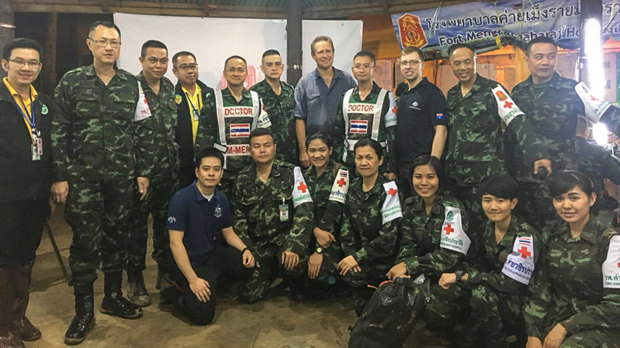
575	295
433	241
328	183
506	262
369	230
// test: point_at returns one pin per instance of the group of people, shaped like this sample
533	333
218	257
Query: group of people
507	239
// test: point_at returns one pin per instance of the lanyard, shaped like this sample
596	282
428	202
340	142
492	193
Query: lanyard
189	99
27	115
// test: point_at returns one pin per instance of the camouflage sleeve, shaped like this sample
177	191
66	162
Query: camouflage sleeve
240	222
144	146
299	236
409	244
339	134
331	217
382	246
539	296
611	119
347	236
206	134
61	130
611	167
389	125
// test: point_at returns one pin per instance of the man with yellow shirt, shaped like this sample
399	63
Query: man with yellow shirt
25	179
195	103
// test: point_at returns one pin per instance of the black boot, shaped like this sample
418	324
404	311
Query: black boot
137	290
84	315
9	335
113	302
21	277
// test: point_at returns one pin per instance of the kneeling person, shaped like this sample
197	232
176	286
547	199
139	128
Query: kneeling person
198	216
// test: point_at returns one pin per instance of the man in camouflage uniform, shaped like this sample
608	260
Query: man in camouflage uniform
196	104
366	111
551	107
238	112
159	92
278	98
101	141
593	160
273	216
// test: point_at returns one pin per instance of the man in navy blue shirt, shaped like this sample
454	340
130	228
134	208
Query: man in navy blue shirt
198	217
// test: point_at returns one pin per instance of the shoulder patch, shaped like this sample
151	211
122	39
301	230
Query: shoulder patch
301	193
142	107
611	266
178	99
519	264
594	107
452	235
391	206
507	109
390	116
340	186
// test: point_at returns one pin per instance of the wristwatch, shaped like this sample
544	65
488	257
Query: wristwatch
318	250
458	274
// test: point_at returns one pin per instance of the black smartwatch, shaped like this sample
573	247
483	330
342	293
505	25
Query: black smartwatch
459	275
318	250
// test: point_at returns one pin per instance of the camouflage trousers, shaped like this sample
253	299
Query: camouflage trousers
535	204
446	308
269	258
329	267
495	316
581	339
372	273
97	213
227	186
155	203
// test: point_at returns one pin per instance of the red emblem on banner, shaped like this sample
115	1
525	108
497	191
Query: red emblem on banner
410	30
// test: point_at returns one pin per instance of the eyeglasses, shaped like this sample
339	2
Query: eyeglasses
363	66
30	63
410	62
104	43
187	66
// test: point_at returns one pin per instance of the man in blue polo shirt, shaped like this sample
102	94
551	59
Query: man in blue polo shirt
198	217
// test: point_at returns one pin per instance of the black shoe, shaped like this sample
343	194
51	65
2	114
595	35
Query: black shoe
84	315
137	290
115	304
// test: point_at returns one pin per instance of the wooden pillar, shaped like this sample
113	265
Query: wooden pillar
7	27
49	54
293	41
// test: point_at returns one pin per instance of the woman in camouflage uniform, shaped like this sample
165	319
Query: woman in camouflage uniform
369	230
575	300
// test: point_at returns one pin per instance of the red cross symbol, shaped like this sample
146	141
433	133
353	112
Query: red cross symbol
448	229
391	191
394	109
302	187
341	182
618	264
524	253
507	104
593	98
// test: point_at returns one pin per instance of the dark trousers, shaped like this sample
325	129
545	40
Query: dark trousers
224	260
21	225
155	203
404	183
97	213
187	175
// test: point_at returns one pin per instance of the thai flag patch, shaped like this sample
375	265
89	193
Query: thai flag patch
358	127
239	130
439	116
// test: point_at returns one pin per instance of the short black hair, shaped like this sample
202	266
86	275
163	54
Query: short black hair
324	137
106	24
262	131
561	182
209	152
539	39
412	49
366	54
152	44
460	45
21	42
500	186
235	57
269	52
372	143
179	54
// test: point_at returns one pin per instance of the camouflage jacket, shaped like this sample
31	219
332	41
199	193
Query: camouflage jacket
551	111
281	110
568	286
488	269
94	135
475	148
164	120
363	233
596	163
421	236
257	218
387	134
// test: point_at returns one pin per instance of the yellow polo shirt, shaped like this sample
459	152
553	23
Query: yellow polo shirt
23	103
194	101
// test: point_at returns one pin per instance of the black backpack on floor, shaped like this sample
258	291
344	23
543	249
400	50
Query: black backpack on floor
391	314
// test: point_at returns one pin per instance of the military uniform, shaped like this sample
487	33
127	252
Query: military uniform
162	182
497	297
229	131
271	218
373	117
184	135
422	251
551	109
326	193
577	285
475	145
596	163
99	148
369	233
281	110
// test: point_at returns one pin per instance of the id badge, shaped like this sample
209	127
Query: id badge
283	212
195	113
36	148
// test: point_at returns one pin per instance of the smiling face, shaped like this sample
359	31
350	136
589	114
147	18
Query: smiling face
186	70
323	54
235	72
411	66
574	206
463	63
363	69
23	67
319	153
498	209
154	63
541	61
425	181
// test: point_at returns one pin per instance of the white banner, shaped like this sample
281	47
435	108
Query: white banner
213	40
